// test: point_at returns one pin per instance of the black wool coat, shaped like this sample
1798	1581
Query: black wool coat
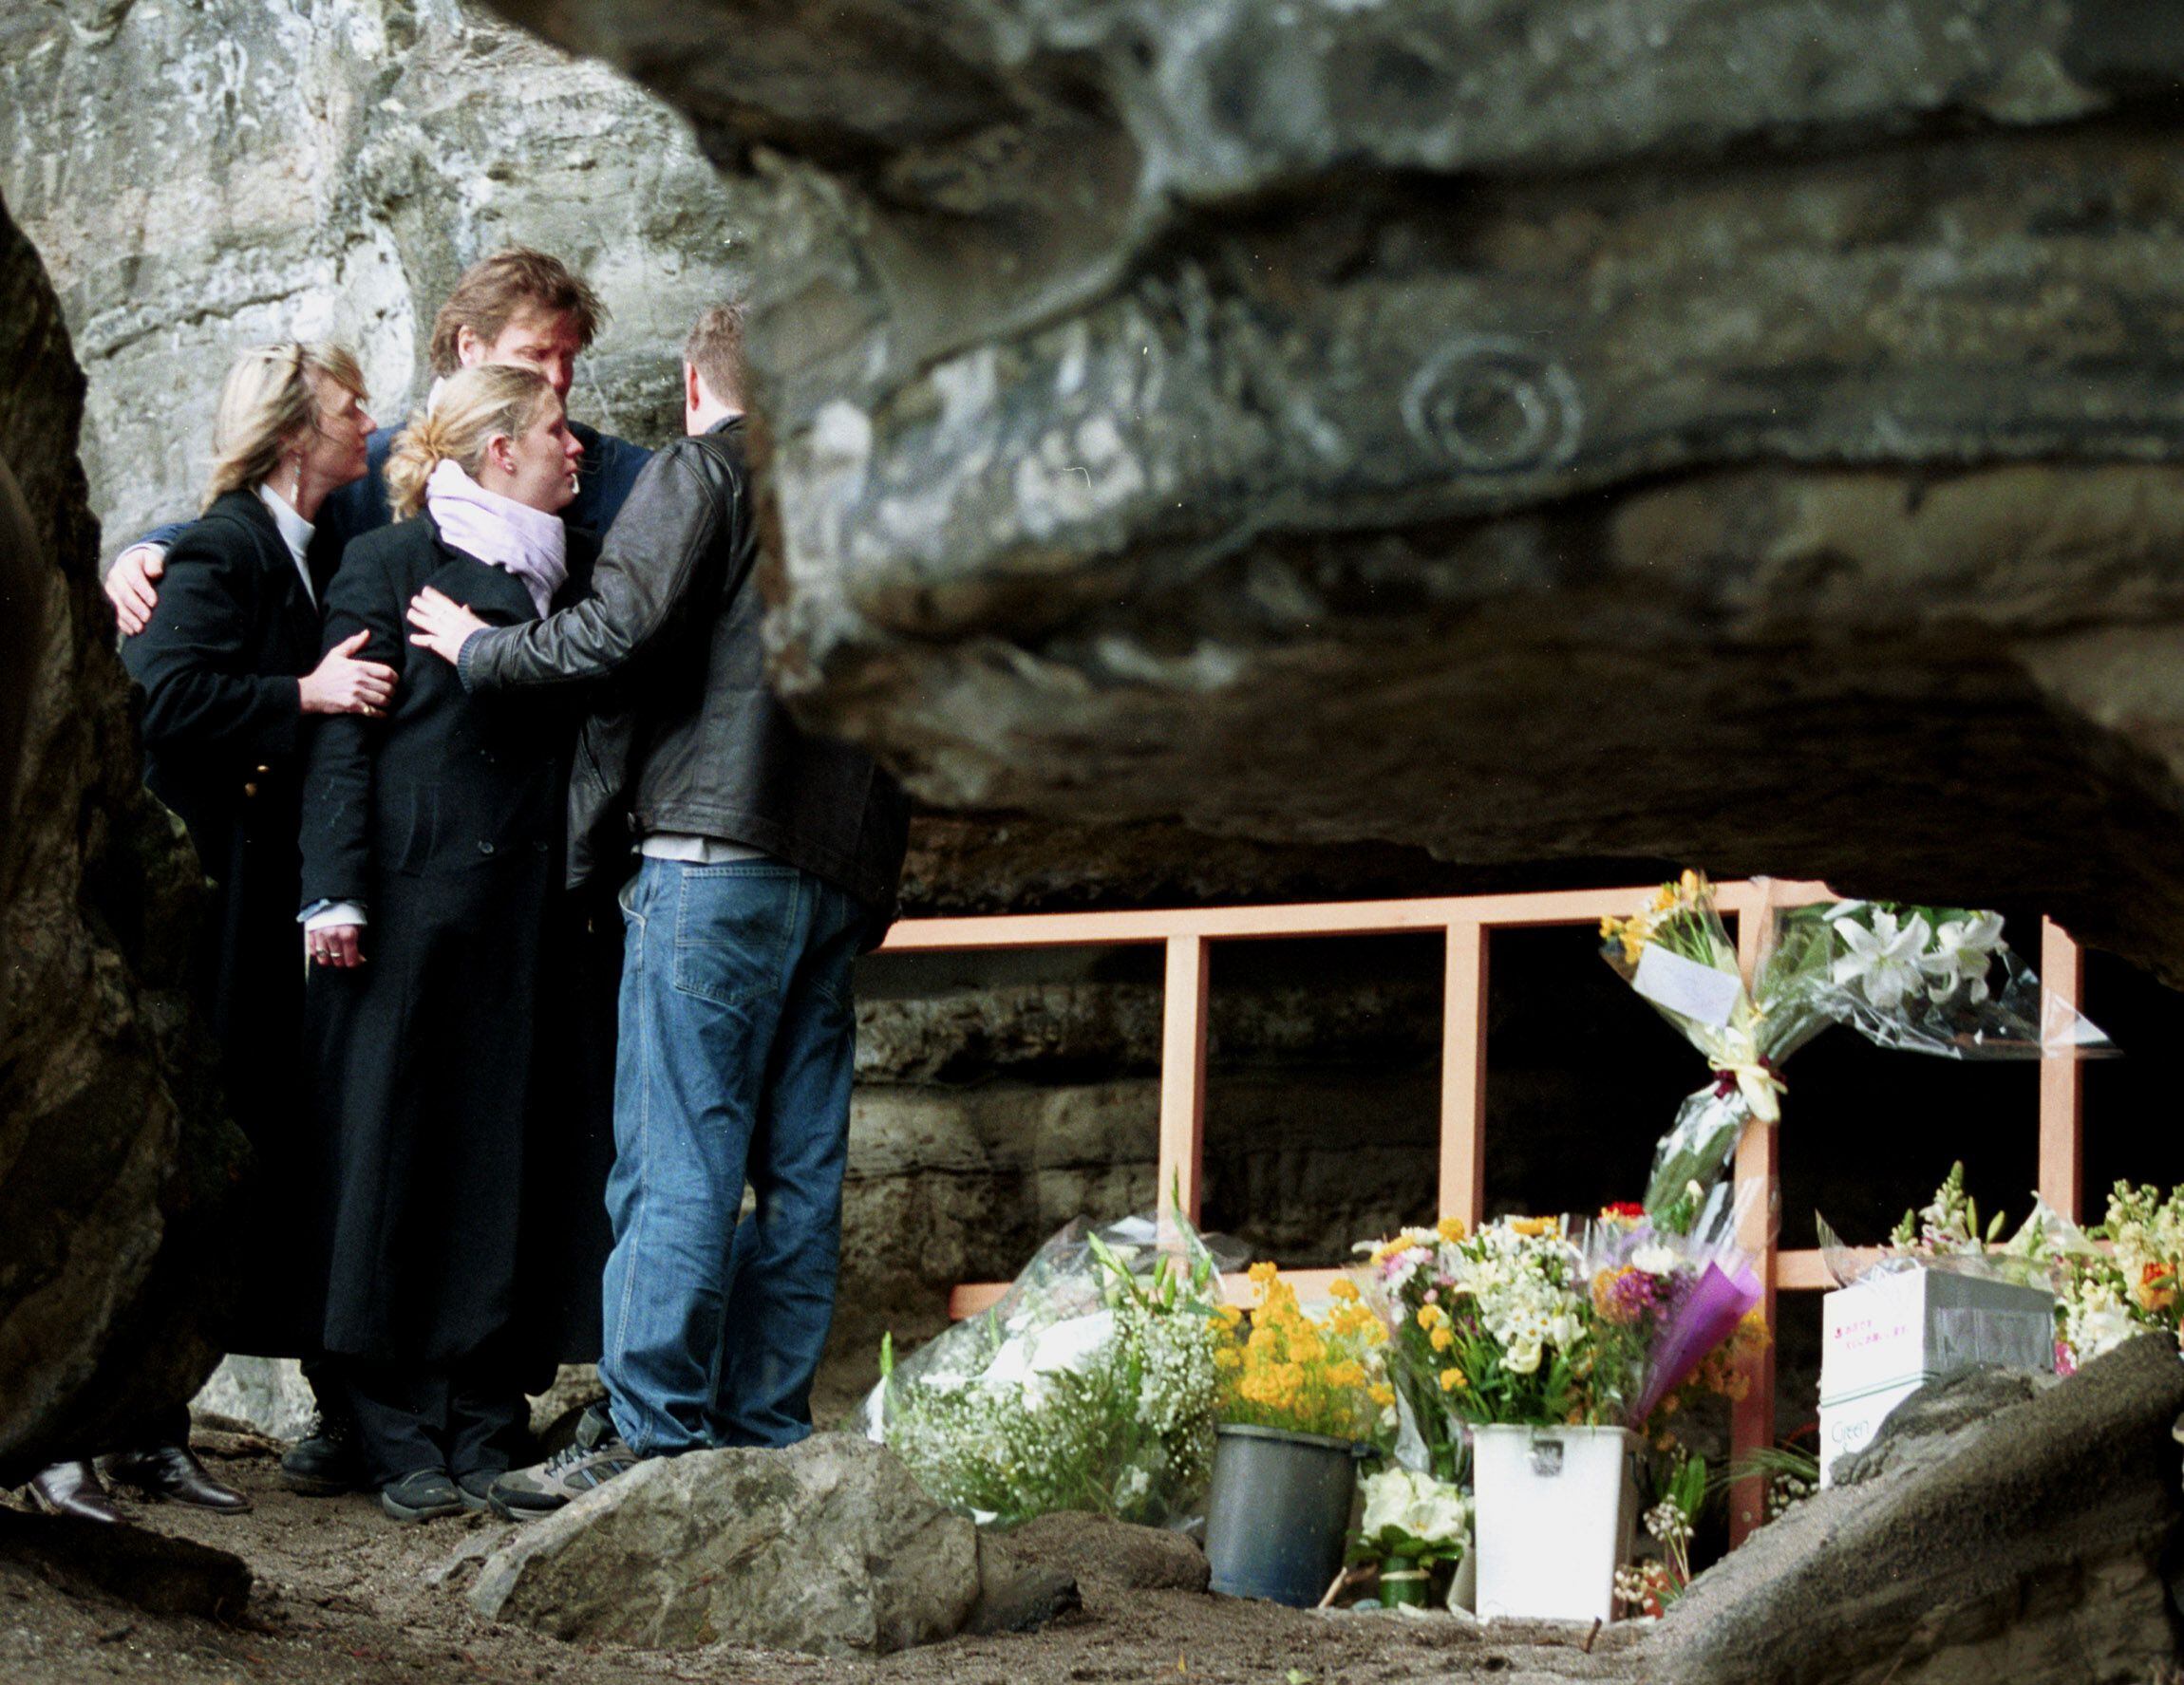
224	739
461	1205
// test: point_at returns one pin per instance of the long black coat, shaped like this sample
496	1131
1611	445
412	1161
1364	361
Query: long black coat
224	739
462	1206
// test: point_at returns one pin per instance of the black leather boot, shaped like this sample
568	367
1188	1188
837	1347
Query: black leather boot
171	1471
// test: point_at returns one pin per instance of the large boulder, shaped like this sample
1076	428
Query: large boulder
2031	1546
828	1547
113	1156
1596	429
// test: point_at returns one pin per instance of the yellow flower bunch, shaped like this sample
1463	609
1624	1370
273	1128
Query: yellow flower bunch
1309	1374
1669	900
1407	1240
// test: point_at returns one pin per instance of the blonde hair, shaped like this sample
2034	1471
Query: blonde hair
269	395
469	410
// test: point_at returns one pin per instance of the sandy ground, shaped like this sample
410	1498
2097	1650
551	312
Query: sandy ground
344	1593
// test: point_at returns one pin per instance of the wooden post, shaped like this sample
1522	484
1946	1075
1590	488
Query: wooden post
1463	1075
1752	1419
2063	1083
1183	1077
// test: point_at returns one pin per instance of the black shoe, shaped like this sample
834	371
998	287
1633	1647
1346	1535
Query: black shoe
171	1471
327	1461
476	1487
73	1489
421	1496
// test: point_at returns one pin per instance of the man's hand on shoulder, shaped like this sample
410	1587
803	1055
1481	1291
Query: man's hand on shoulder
442	624
132	586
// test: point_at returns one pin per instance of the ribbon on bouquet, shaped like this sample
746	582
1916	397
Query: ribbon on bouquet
1754	1079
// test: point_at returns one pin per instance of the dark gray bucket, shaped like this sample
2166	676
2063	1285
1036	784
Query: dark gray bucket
1279	1513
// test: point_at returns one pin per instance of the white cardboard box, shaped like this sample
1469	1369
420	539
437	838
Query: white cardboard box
1884	1339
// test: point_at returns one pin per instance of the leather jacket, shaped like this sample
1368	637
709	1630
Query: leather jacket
687	736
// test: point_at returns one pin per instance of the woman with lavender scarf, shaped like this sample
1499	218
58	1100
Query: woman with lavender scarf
441	1015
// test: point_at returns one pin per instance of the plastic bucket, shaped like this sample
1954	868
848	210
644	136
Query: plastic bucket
1279	1513
1556	1507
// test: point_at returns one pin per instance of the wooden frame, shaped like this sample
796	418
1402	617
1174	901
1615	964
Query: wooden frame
1466	922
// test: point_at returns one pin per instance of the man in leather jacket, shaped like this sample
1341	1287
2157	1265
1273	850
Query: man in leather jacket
767	860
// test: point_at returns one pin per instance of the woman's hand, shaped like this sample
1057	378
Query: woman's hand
334	945
342	684
442	624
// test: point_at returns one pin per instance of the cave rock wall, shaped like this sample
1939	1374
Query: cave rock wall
1690	429
114	1159
200	177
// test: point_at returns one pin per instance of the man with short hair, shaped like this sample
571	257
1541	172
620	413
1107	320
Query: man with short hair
518	306
768	859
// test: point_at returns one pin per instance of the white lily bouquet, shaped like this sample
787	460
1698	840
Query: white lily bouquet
1090	1385
1932	980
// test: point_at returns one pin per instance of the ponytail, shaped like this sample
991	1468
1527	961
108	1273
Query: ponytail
467	413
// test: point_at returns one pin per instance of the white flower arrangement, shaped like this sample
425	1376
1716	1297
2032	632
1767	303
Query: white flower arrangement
2107	1299
1092	1387
1408	1514
1435	1513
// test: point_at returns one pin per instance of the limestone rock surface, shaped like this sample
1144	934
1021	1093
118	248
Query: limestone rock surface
1603	429
151	1571
202	177
2034	1549
267	1395
1920	1430
828	1547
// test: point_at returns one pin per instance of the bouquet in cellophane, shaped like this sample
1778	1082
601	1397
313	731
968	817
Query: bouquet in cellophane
1932	980
1090	1385
1946	1234
1661	1303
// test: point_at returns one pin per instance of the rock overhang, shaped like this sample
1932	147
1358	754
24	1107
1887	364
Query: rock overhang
1738	433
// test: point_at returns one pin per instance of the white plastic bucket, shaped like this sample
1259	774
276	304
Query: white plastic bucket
1557	1510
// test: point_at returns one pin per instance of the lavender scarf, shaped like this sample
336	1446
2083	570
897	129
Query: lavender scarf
527	542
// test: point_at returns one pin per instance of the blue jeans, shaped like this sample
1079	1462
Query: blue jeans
737	1037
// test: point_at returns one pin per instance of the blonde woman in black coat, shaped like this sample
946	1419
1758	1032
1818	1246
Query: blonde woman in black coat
232	678
441	1010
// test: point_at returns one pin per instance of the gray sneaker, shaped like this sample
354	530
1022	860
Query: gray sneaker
596	1457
